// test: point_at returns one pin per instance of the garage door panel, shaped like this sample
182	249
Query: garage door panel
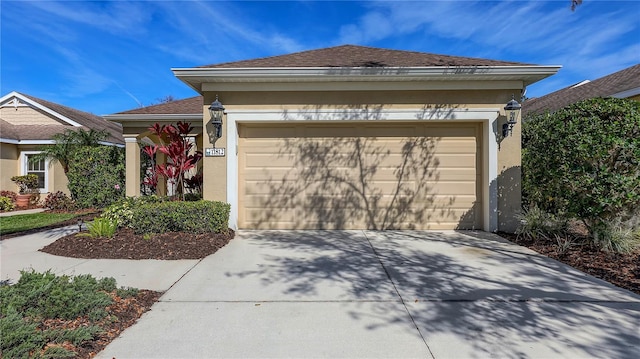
270	132
267	160
386	131
332	133
372	176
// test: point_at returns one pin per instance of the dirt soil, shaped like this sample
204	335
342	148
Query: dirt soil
622	270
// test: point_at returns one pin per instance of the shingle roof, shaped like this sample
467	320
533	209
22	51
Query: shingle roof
617	82
31	132
192	105
360	56
86	119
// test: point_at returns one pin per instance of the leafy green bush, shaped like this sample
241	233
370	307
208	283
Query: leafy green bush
6	204
584	160
26	183
59	201
96	175
122	211
536	223
102	228
196	217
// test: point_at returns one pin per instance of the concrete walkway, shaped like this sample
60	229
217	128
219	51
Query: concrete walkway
21	253
22	211
362	294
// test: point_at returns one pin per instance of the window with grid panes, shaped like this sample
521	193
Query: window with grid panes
38	168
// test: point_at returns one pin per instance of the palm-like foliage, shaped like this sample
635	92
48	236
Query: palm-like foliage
66	142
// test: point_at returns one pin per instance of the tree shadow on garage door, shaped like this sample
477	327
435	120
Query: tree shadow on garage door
469	295
363	174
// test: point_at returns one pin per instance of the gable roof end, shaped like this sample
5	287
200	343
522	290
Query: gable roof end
73	118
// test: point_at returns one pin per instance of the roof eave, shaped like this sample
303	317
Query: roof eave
151	116
528	74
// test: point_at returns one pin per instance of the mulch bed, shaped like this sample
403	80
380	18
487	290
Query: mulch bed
128	245
622	270
122	314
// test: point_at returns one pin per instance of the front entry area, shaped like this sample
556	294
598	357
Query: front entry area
360	175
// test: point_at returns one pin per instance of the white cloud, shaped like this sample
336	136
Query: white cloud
117	17
205	32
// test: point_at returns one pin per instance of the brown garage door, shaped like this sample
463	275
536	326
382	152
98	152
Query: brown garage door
359	176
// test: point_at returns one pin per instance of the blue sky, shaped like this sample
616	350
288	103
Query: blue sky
110	56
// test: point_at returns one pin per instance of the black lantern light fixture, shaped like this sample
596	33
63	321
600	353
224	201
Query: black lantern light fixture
216	110
511	109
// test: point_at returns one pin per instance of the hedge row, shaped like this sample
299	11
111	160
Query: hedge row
193	217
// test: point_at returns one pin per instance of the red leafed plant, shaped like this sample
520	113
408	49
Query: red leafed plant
175	145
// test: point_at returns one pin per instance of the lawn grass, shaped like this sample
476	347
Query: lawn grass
25	222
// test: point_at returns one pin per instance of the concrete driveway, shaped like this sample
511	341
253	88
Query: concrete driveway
365	294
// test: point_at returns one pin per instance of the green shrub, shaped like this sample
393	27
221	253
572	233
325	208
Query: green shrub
40	296
20	337
59	201
9	194
538	224
122	211
47	296
6	204
584	160
26	183
196	217
101	228
96	175
617	237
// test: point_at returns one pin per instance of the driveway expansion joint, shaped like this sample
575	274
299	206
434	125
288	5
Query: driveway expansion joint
413	321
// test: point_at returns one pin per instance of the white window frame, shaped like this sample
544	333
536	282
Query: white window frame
24	168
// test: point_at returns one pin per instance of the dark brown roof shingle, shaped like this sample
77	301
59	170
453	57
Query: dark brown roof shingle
32	132
360	56
192	105
617	82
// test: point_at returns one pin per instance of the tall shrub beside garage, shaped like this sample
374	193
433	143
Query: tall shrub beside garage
584	161
96	175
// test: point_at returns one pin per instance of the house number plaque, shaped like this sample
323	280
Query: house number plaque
214	152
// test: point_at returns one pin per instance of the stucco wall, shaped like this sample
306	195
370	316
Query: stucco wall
507	183
9	166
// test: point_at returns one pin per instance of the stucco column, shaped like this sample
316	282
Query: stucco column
509	177
132	165
214	169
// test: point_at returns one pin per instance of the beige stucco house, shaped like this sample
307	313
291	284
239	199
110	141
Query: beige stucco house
26	124
354	137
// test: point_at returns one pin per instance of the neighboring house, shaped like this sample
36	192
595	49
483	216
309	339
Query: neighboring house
354	137
26	124
621	84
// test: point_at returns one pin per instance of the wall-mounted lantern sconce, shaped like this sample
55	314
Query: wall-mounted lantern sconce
512	109
216	110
